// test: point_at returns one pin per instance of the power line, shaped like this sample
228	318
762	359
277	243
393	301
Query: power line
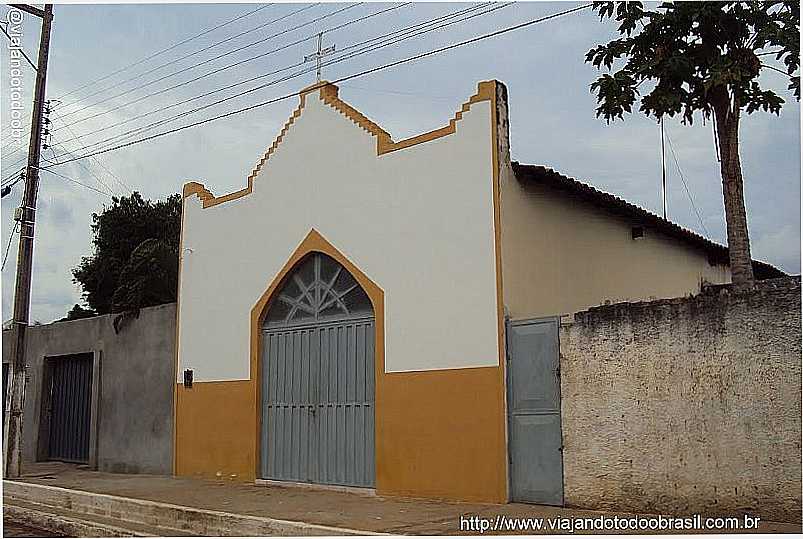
359	52
109	190
685	186
209	73
17	162
15	151
10	177
396	33
8	247
6	189
394	92
162	51
663	167
47	169
7	178
342	79
17	170
18	142
188	68
97	160
20	49
365	50
188	55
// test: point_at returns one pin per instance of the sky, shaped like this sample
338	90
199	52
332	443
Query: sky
552	114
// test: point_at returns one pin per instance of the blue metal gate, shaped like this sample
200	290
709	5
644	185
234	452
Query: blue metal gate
317	377
70	407
535	441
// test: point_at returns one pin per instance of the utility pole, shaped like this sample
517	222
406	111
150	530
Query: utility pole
663	167
26	215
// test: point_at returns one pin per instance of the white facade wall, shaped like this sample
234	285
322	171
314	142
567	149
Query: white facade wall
417	221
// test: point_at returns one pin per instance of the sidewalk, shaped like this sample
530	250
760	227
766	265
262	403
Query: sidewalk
328	508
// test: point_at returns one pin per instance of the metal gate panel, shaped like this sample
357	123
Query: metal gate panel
318	403
535	441
70	408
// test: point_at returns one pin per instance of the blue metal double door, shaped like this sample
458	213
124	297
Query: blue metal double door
318	388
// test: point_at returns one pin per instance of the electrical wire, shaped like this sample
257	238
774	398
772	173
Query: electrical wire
210	73
80	163
11	176
24	55
97	160
20	160
188	68
188	55
366	72
685	186
364	50
162	51
663	166
8	247
12	142
14	182
414	27
47	169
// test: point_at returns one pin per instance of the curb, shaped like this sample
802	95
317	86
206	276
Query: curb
165	515
71	527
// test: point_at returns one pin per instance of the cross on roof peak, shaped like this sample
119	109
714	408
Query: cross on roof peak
318	56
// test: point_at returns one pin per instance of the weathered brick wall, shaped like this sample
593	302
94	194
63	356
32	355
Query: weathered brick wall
687	405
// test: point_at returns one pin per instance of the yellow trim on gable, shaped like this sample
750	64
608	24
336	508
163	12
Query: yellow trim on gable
328	93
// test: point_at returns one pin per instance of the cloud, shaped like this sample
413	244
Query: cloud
552	118
781	246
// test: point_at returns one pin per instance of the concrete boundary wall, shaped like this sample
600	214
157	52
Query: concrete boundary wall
132	387
690	405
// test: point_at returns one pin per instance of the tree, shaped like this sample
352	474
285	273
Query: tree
135	259
702	57
77	312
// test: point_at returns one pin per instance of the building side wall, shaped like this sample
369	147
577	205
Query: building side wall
686	406
561	255
134	421
417	224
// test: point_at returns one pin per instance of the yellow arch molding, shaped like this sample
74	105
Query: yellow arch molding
328	93
314	242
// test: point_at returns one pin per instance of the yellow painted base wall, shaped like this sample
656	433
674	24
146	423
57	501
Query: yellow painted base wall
439	433
215	430
442	435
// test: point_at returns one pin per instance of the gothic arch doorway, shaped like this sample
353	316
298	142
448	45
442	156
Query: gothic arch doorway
317	376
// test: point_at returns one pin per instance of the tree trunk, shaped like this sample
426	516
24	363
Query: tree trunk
727	115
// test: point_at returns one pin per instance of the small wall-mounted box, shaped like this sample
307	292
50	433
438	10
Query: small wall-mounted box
188	378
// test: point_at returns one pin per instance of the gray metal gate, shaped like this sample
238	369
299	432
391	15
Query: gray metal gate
318	379
535	442
70	407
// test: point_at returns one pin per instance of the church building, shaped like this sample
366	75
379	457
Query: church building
379	314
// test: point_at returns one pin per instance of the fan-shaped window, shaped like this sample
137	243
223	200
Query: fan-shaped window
318	289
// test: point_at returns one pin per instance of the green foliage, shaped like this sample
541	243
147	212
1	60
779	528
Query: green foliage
693	52
149	278
135	259
77	312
